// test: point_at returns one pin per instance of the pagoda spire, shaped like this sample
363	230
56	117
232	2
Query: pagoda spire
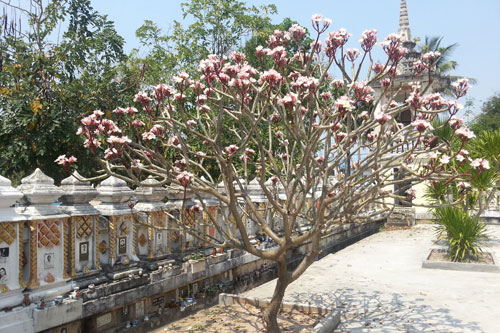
404	23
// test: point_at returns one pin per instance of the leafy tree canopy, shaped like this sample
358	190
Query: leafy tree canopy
45	87
489	118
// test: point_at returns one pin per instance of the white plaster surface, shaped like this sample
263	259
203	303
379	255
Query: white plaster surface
56	253
46	318
379	285
19	320
10	264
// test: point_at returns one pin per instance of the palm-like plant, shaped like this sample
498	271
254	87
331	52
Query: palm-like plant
445	64
487	146
464	233
457	224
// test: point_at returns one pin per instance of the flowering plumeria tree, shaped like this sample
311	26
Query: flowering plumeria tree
293	128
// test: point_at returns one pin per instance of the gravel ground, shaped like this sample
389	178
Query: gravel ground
379	285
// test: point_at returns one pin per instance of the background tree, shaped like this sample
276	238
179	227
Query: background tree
218	27
301	178
445	64
459	204
489	117
47	86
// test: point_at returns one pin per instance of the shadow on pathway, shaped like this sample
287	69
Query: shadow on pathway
376	311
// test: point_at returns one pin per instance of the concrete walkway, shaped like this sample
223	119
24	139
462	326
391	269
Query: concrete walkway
380	286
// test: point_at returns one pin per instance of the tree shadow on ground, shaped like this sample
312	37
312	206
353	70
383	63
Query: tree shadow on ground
238	319
377	311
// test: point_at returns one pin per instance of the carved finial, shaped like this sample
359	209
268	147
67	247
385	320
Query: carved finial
404	23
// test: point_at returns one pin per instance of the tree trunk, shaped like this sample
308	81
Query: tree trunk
271	312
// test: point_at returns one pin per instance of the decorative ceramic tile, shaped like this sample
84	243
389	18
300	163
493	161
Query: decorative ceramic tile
84	227
48	233
159	219
103	247
123	228
7	232
189	217
174	237
142	240
211	214
49	278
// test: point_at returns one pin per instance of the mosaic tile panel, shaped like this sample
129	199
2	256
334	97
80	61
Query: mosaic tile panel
189	217
84	228
7	232
48	233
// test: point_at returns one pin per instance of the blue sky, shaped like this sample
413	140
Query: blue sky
474	25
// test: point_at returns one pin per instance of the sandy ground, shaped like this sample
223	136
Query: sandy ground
379	285
238	319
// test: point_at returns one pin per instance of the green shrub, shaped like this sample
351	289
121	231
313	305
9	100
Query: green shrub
464	233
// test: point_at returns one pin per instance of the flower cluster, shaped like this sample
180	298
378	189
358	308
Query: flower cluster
460	87
65	161
362	91
393	47
289	100
382	117
335	40
422	125
480	164
368	39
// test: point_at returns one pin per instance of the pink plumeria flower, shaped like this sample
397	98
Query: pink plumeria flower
411	194
231	149
344	104
465	134
131	111
372	136
148	136
364	115
316	18
460	87
272	77
368	39
464	185
444	159
249	151
119	111
137	123
382	117
289	100
98	113
480	164
142	98
185	178
297	32
456	122
64	161
352	54
422	125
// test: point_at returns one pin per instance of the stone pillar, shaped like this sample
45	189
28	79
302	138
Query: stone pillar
153	240
209	217
179	204
11	246
279	194
82	224
117	236
45	235
259	199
